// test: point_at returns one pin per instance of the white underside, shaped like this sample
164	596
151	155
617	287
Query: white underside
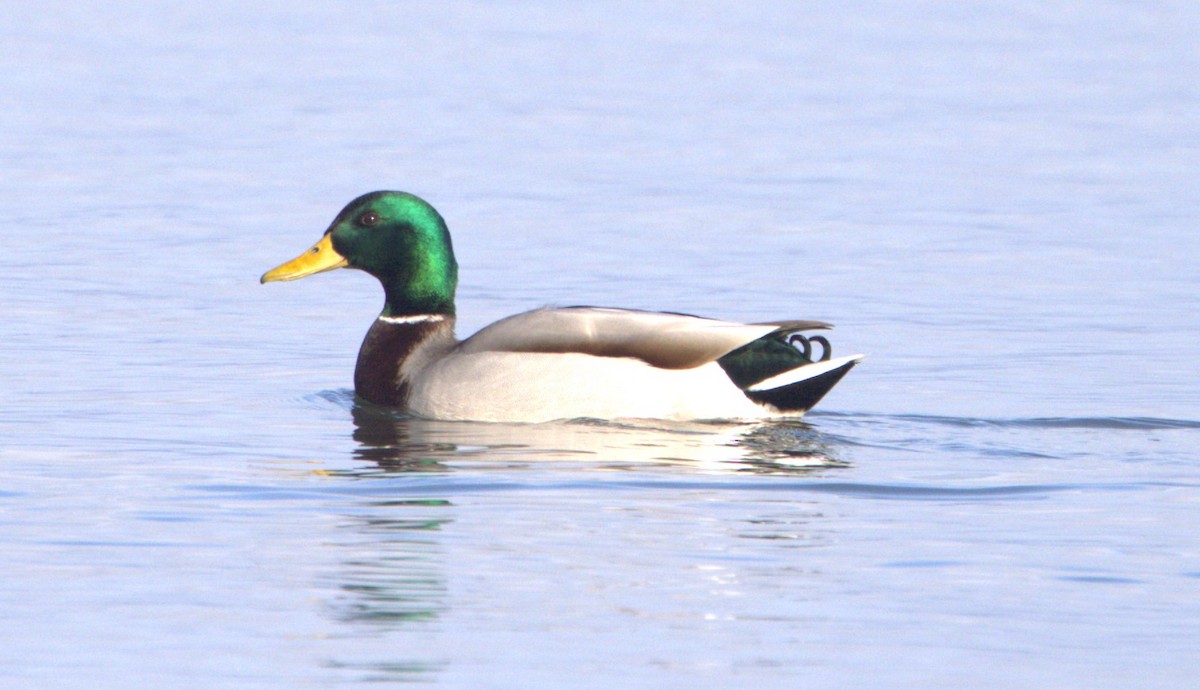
538	387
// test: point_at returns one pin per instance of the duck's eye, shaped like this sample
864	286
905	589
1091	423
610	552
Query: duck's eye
368	219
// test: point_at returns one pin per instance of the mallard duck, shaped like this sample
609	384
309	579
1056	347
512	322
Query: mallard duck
550	363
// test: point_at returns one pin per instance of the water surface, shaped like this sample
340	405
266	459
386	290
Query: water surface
995	203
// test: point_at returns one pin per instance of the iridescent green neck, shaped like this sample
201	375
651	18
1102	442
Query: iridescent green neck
423	276
401	298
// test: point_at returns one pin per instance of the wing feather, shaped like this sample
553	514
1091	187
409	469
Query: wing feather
661	339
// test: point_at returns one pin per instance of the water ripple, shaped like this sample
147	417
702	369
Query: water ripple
1118	423
393	486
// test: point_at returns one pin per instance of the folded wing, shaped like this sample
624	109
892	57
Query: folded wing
664	340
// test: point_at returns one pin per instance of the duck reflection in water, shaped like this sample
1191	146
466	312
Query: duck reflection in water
394	442
392	577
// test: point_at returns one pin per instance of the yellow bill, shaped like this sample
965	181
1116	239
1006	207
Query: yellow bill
319	258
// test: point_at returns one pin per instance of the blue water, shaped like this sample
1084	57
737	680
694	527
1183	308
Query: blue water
996	203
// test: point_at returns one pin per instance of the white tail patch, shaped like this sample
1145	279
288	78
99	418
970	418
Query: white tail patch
804	373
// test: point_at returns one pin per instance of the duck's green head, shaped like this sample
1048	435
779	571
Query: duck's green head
396	237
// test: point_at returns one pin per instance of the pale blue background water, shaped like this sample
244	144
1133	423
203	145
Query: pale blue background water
996	202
